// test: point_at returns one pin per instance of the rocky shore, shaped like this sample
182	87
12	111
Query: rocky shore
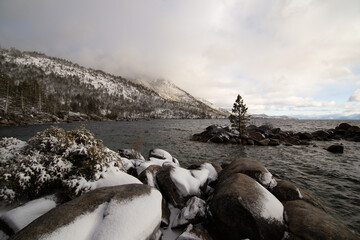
102	194
35	117
266	135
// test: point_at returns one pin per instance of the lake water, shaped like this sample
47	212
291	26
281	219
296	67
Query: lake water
333	178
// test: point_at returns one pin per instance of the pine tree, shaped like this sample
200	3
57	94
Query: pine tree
239	116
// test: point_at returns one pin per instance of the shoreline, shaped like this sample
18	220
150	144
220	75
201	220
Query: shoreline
160	168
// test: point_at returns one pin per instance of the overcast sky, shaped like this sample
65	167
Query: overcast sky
282	56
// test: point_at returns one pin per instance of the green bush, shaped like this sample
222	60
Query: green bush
52	159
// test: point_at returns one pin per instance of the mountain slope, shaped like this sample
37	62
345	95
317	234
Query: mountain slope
32	81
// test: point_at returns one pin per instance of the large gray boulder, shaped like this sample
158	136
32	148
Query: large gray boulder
242	208
105	213
179	184
308	222
251	168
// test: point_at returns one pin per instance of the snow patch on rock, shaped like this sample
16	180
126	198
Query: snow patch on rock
110	176
269	207
135	219
20	217
267	180
193	211
186	183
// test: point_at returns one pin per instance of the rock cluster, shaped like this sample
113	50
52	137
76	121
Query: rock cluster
156	198
265	135
242	200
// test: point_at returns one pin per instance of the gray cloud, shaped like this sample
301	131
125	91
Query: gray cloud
275	53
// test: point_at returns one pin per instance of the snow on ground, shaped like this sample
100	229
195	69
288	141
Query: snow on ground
169	233
87	76
110	176
20	217
134	219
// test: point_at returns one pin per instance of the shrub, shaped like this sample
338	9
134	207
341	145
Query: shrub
52	159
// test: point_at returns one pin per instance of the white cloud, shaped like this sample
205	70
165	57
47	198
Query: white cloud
355	97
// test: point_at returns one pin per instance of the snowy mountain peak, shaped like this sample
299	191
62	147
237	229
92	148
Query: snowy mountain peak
42	83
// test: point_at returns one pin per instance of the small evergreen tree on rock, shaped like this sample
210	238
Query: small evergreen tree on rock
239	116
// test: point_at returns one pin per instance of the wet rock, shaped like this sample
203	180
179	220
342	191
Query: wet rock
264	142
308	222
292	140
130	154
343	126
305	136
110	213
165	216
336	148
274	142
168	187
214	134
321	135
250	142
256	136
287	191
148	176
193	233
251	168
304	143
192	213
233	140
353	134
220	138
242	208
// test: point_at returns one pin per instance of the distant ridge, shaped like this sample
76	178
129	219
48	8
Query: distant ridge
264	116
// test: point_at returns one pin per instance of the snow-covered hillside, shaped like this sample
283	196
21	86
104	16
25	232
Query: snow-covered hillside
47	84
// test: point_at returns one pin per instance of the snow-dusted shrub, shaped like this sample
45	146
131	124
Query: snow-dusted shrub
53	158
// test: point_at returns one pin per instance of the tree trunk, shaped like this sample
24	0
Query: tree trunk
7	97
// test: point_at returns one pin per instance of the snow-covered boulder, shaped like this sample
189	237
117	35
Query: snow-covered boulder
193	233
17	218
122	212
194	212
162	154
179	184
308	222
242	208
251	168
148	176
130	154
